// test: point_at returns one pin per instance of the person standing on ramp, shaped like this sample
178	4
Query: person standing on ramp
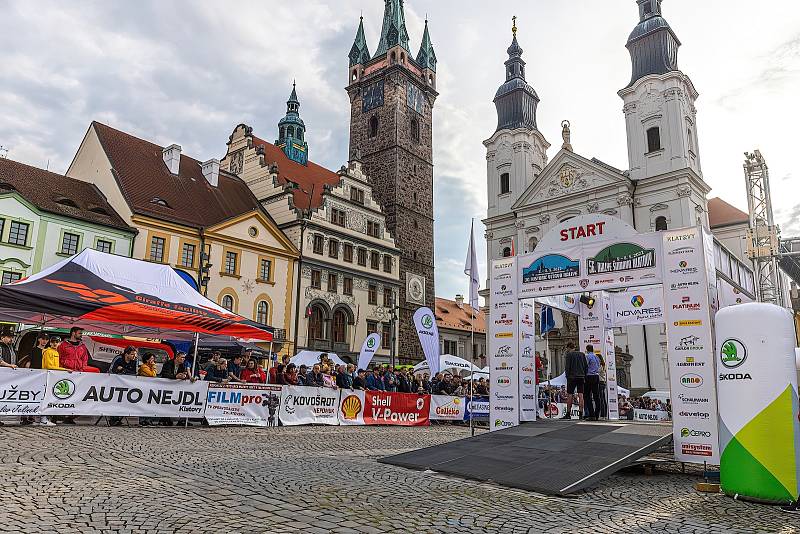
576	367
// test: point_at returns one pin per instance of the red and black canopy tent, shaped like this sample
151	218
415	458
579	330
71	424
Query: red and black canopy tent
120	295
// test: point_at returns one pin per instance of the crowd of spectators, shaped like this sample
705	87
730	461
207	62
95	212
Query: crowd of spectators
628	404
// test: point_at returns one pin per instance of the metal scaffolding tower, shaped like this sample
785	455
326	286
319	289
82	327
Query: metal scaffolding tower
763	243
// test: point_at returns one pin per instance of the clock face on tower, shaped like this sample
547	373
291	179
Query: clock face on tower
373	96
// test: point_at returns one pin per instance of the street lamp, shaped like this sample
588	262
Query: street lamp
305	215
394	312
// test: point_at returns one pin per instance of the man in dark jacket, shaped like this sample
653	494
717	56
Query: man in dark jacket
174	369
124	364
359	382
315	378
576	367
374	380
344	380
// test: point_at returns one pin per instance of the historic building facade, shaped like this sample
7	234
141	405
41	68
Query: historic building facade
392	94
662	188
349	264
198	218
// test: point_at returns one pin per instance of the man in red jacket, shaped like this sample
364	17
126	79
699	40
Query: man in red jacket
72	353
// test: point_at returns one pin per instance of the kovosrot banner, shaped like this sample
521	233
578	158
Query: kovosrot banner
243	404
302	405
122	395
21	391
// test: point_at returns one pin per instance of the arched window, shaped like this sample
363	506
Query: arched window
339	327
283	133
227	303
653	139
415	129
507	252
532	242
262	312
300	134
690	140
661	223
505	183
290	131
373	126
316	324
355	75
402	57
393	58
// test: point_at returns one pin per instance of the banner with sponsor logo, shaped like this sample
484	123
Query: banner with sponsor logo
301	405
428	333
122	395
638	306
687	314
503	343
21	391
650	416
446	408
557	410
527	361
384	408
590	326
478	408
610	357
371	344
729	295
568	303
243	404
351	407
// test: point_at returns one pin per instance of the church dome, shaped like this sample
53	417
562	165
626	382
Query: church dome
648	26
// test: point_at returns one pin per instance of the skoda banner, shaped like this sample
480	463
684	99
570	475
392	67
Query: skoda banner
122	395
21	391
503	343
638	306
428	332
371	344
243	404
302	405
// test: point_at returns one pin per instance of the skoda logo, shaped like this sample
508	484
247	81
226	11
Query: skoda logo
427	321
371	342
63	389
637	301
733	353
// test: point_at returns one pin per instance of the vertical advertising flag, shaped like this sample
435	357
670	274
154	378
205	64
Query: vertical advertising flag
527	361
428	332
471	270
610	357
368	348
503	345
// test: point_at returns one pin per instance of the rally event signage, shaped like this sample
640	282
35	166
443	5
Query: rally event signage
477	408
650	416
527	361
687	313
447	408
383	408
503	342
428	332
243	404
368	349
21	391
122	395
302	405
638	306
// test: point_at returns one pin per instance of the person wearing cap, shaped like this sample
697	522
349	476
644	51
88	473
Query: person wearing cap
374	381
35	362
8	356
124	364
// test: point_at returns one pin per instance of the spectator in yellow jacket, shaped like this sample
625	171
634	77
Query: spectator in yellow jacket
148	367
50	355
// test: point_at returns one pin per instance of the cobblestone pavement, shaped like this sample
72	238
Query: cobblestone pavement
315	479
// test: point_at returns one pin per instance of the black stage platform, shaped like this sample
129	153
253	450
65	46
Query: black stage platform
551	457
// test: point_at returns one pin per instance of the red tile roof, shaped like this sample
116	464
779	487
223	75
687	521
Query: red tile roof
59	194
305	176
720	213
143	177
450	315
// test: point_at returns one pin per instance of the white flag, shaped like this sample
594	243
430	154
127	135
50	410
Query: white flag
368	349
471	270
428	332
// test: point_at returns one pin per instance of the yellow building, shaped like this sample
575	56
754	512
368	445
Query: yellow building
190	214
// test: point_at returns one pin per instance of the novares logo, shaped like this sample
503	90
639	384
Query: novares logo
63	389
637	301
427	321
733	353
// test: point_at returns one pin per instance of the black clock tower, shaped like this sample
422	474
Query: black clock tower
391	133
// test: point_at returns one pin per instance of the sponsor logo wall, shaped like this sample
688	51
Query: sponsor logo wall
304	406
504	345
687	314
243	404
527	361
638	306
21	391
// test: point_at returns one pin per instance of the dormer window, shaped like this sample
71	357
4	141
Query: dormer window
98	210
160	202
64	201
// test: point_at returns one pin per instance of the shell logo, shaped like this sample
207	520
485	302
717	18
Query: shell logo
456	401
351	407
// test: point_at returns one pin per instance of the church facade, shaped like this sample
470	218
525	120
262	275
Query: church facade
663	187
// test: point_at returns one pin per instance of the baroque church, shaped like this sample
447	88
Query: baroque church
663	187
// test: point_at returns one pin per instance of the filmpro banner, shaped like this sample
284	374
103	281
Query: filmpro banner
478	408
527	361
687	313
503	343
428	332
446	408
21	391
301	405
650	416
122	395
638	306
243	404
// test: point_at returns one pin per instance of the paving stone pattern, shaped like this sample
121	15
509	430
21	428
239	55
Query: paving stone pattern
316	479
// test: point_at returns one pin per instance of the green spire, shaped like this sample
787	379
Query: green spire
359	54
426	58
394	31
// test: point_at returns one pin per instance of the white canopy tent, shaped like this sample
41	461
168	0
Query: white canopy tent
447	361
312	357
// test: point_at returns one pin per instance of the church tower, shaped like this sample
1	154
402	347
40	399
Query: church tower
292	131
392	94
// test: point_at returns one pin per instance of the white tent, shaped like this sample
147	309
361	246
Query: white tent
446	361
560	380
311	357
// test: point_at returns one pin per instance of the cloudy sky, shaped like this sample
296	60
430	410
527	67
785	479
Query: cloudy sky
188	72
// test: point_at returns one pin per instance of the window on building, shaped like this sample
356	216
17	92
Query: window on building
316	324
386	336
338	217
372	327
661	223
18	233
373	126
690	140
227	303
319	242
333	248
2	225
265	270
103	245
507	252
316	279
505	183
262	312
10	277
333	283
653	139
69	243
187	255
373	229
362	256
648	8
348	253
451	347
387	263
374	260
415	130
339	326
290	131
532	242
347	286
157	245
357	195
231	258
372	295
388	297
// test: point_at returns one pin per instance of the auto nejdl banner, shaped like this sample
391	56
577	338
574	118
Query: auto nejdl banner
122	395
305	405
243	404
21	391
383	408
